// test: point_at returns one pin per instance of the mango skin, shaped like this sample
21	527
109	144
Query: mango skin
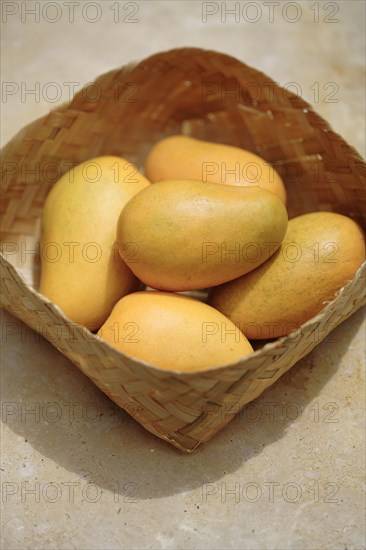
320	253
173	332
183	157
184	235
80	210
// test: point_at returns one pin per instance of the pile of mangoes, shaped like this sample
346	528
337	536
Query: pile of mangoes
204	217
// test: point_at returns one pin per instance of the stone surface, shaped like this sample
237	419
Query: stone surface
287	473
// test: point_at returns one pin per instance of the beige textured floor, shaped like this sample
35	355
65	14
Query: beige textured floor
288	472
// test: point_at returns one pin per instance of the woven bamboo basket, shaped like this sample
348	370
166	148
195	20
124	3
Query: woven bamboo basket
210	96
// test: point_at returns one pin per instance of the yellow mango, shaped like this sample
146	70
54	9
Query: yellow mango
183	235
320	253
82	271
173	332
183	157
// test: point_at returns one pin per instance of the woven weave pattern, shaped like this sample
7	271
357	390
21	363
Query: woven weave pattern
209	96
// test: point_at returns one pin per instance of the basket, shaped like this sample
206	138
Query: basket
210	96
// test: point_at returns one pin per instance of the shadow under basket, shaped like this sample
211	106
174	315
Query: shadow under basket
210	96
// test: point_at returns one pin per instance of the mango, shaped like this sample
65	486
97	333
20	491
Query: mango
183	235
81	270
173	332
183	157
320	253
